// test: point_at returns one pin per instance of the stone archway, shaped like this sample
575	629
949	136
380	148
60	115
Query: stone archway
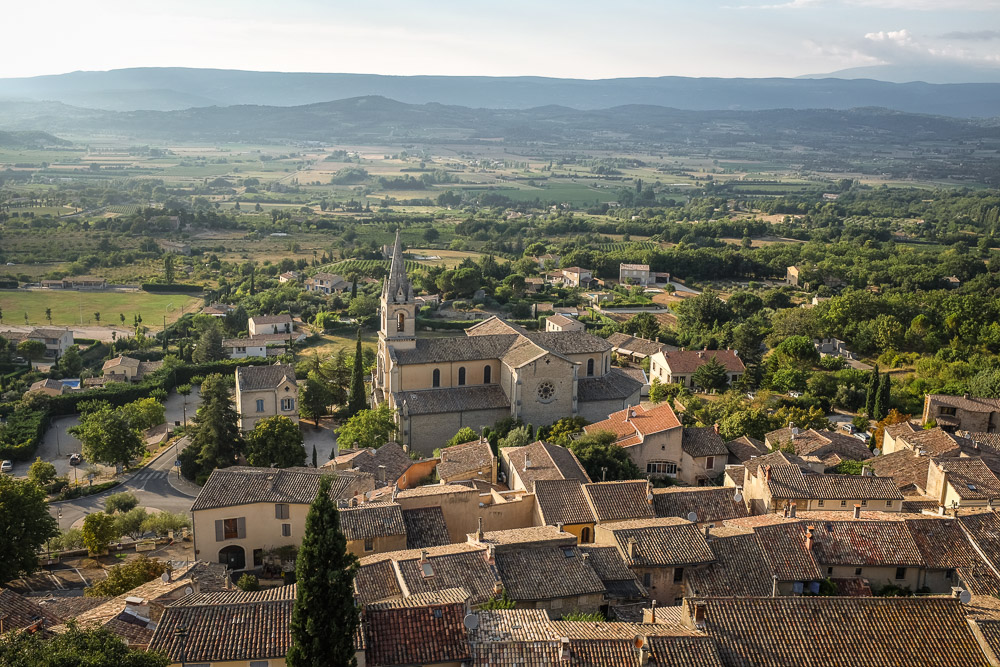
233	556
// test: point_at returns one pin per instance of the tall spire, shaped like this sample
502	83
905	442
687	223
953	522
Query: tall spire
397	286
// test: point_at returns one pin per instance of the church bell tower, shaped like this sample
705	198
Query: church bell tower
398	311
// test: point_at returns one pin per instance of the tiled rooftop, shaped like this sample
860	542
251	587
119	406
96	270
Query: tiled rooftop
708	503
546	462
425	527
661	542
616	501
464	459
372	520
562	501
242	485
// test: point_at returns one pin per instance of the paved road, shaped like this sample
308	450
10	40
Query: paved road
156	486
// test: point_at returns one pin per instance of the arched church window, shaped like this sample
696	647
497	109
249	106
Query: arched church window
436	378
487	374
461	376
400	321
590	366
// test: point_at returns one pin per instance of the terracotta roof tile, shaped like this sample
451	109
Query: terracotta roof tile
741	568
970	478
637	420
20	612
463	460
242	485
688	361
905	467
660	542
703	441
784	549
943	543
562	501
415	635
372	520
425	527
547	462
865	543
745	447
452	399
615	501
619	581
709	503
252	378
546	573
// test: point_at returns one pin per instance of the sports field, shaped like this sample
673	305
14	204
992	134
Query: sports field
72	307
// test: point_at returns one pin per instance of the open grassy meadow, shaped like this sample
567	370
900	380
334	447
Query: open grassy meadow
69	307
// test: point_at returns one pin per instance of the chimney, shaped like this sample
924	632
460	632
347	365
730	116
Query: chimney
700	607
406	449
652	611
354	501
564	648
965	396
767	473
941	510
708	531
479	531
857	511
497	588
559	526
809	537
643	655
715	427
381	473
527	462
866	471
791	510
631	548
423	556
774	585
488	554
784	511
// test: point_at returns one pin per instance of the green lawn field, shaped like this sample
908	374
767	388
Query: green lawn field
69	306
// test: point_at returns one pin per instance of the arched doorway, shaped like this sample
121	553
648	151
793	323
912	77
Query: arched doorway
585	535
233	557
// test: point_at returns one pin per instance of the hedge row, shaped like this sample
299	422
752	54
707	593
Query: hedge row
171	287
22	433
8	283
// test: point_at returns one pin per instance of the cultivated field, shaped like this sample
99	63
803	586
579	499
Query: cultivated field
70	307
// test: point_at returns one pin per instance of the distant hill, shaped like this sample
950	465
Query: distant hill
30	139
929	73
166	89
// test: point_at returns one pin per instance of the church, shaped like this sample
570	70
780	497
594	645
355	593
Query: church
496	370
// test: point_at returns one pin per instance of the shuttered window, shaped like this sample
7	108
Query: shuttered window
230	529
281	511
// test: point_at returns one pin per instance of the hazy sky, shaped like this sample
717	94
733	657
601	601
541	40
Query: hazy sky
578	38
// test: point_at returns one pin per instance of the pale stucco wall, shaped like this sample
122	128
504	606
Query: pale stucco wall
557	371
246	404
263	530
421	376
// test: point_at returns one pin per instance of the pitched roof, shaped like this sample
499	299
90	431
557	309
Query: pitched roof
745	447
688	361
425	527
641	346
561	320
545	573
618	383
456	348
703	441
789	482
452	399
283	318
966	402
401	573
709	503
546	462
20	612
427	634
740	568
907	469
256	630
372	520
823	444
242	485
865	543
935	441
465	458
942	544
869	632
785	551
434	490
661	542
562	501
615	501
984	530
619	581
119	361
685	651
970	478
390	455
253	378
637	420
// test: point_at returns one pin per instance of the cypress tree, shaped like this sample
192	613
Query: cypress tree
325	619
216	438
882	398
357	401
315	460
873	385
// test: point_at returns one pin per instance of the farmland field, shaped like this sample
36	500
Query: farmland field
69	306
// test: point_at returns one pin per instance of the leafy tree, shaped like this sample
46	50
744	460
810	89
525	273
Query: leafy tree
324	572
465	434
48	315
31	349
849	467
144	413
209	346
109	438
804	418
562	432
985	384
162	523
41	472
711	375
275	442
25	525
314	399
131	522
598	451
873	384
216	439
71	362
502	602
98	532
97	317
516	437
168	268
248	583
753	422
657	391
797	351
878	433
369	429
643	325
123	578
94	647
120	502
357	401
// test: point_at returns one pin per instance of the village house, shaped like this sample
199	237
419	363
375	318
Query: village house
241	348
496	370
55	339
49	387
793	275
634	274
373	528
422	629
701	505
545	261
828	447
520	467
390	465
617	501
653	438
289	277
962	413
271	324
217	309
562	503
678	366
243	513
574	276
633	350
327	283
932	442
127	369
562	323
266	391
468	461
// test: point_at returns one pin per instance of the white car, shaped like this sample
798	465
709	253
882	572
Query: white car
795	394
7	466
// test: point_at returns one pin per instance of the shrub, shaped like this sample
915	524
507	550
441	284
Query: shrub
248	583
41	472
164	522
120	502
125	577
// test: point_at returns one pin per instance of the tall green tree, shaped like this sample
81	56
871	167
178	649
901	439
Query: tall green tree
216	438
602	458
325	618
168	268
99	531
275	441
711	375
32	350
209	346
873	385
71	362
315	460
109	437
25	525
368	428
882	398
314	399
357	401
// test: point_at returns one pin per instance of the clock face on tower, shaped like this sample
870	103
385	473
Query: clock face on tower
546	392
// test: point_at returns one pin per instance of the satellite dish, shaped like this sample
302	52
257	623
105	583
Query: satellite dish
693	517
165	577
877	452
471	621
188	590
649	497
638	641
965	597
738	497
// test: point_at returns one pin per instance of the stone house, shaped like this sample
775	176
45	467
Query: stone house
634	274
127	369
266	391
562	323
653	438
521	467
271	324
962	413
678	366
470	460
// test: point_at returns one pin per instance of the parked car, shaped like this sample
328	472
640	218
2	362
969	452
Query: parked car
863	437
75	459
795	394
7	466
849	427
